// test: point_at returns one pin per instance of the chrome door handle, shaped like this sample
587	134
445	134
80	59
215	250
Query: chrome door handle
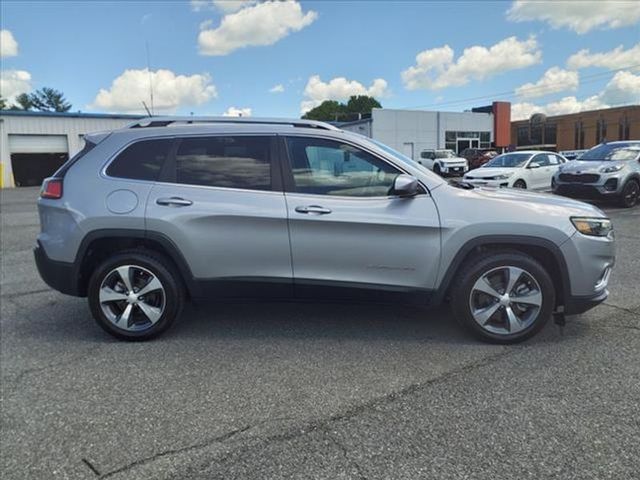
174	202
314	210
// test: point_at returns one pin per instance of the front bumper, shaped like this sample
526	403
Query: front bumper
575	305
454	169
58	275
607	186
589	262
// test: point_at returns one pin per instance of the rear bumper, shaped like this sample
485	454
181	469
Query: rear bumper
58	275
575	305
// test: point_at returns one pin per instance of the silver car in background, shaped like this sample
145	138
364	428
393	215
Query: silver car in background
607	171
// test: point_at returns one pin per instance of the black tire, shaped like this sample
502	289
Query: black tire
436	169
172	302
520	184
630	194
461	296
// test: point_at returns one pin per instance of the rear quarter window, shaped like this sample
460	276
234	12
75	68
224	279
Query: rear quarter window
142	160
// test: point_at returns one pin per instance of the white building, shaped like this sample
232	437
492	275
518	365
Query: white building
34	144
412	131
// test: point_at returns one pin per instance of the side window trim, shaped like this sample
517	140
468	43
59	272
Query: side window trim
287	166
114	156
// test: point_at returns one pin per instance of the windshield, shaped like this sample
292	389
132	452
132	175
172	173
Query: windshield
398	155
445	154
611	153
508	160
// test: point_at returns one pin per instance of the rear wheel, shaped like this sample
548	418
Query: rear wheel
503	298
134	296
630	194
520	184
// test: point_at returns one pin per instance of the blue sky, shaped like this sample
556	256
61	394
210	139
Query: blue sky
207	57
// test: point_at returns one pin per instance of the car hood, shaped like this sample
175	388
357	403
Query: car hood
485	172
577	166
544	203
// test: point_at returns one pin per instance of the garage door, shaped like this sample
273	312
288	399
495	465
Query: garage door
36	157
38	144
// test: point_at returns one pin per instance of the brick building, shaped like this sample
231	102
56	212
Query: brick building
577	131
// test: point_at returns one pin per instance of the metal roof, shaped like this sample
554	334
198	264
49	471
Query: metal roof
30	113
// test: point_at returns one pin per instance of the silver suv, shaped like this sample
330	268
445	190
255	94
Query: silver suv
610	170
177	208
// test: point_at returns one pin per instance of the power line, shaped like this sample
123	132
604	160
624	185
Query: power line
511	93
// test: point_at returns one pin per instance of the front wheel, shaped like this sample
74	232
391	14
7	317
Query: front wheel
630	194
503	297
134	296
520	184
437	170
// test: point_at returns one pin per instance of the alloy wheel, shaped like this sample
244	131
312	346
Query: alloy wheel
132	298
631	194
505	300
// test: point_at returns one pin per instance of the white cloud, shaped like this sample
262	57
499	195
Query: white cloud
554	80
436	68
622	89
613	59
237	112
170	91
8	44
338	88
225	6
13	83
279	88
578	15
256	25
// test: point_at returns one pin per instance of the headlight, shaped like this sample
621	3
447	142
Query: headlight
612	168
503	176
596	227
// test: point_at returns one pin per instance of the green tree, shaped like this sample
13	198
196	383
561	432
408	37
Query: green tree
3	103
358	106
49	100
362	105
22	102
329	110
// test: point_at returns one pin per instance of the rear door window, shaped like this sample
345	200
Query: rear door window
225	161
142	160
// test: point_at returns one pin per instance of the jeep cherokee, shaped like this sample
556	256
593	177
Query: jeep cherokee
169	209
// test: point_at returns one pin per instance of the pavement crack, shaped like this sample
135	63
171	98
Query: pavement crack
628	310
346	455
174	451
30	371
10	296
91	467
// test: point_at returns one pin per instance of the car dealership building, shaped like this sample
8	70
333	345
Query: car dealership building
412	131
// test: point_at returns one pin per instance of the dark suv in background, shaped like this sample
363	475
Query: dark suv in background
478	156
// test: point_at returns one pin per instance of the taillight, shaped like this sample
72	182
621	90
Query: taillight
51	188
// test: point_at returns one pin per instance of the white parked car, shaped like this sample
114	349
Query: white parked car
527	169
444	162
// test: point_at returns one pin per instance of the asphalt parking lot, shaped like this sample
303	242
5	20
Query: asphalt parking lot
332	391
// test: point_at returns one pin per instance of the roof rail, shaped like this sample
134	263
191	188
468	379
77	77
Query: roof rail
168	121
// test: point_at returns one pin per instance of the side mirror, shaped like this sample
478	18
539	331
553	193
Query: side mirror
534	165
405	186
